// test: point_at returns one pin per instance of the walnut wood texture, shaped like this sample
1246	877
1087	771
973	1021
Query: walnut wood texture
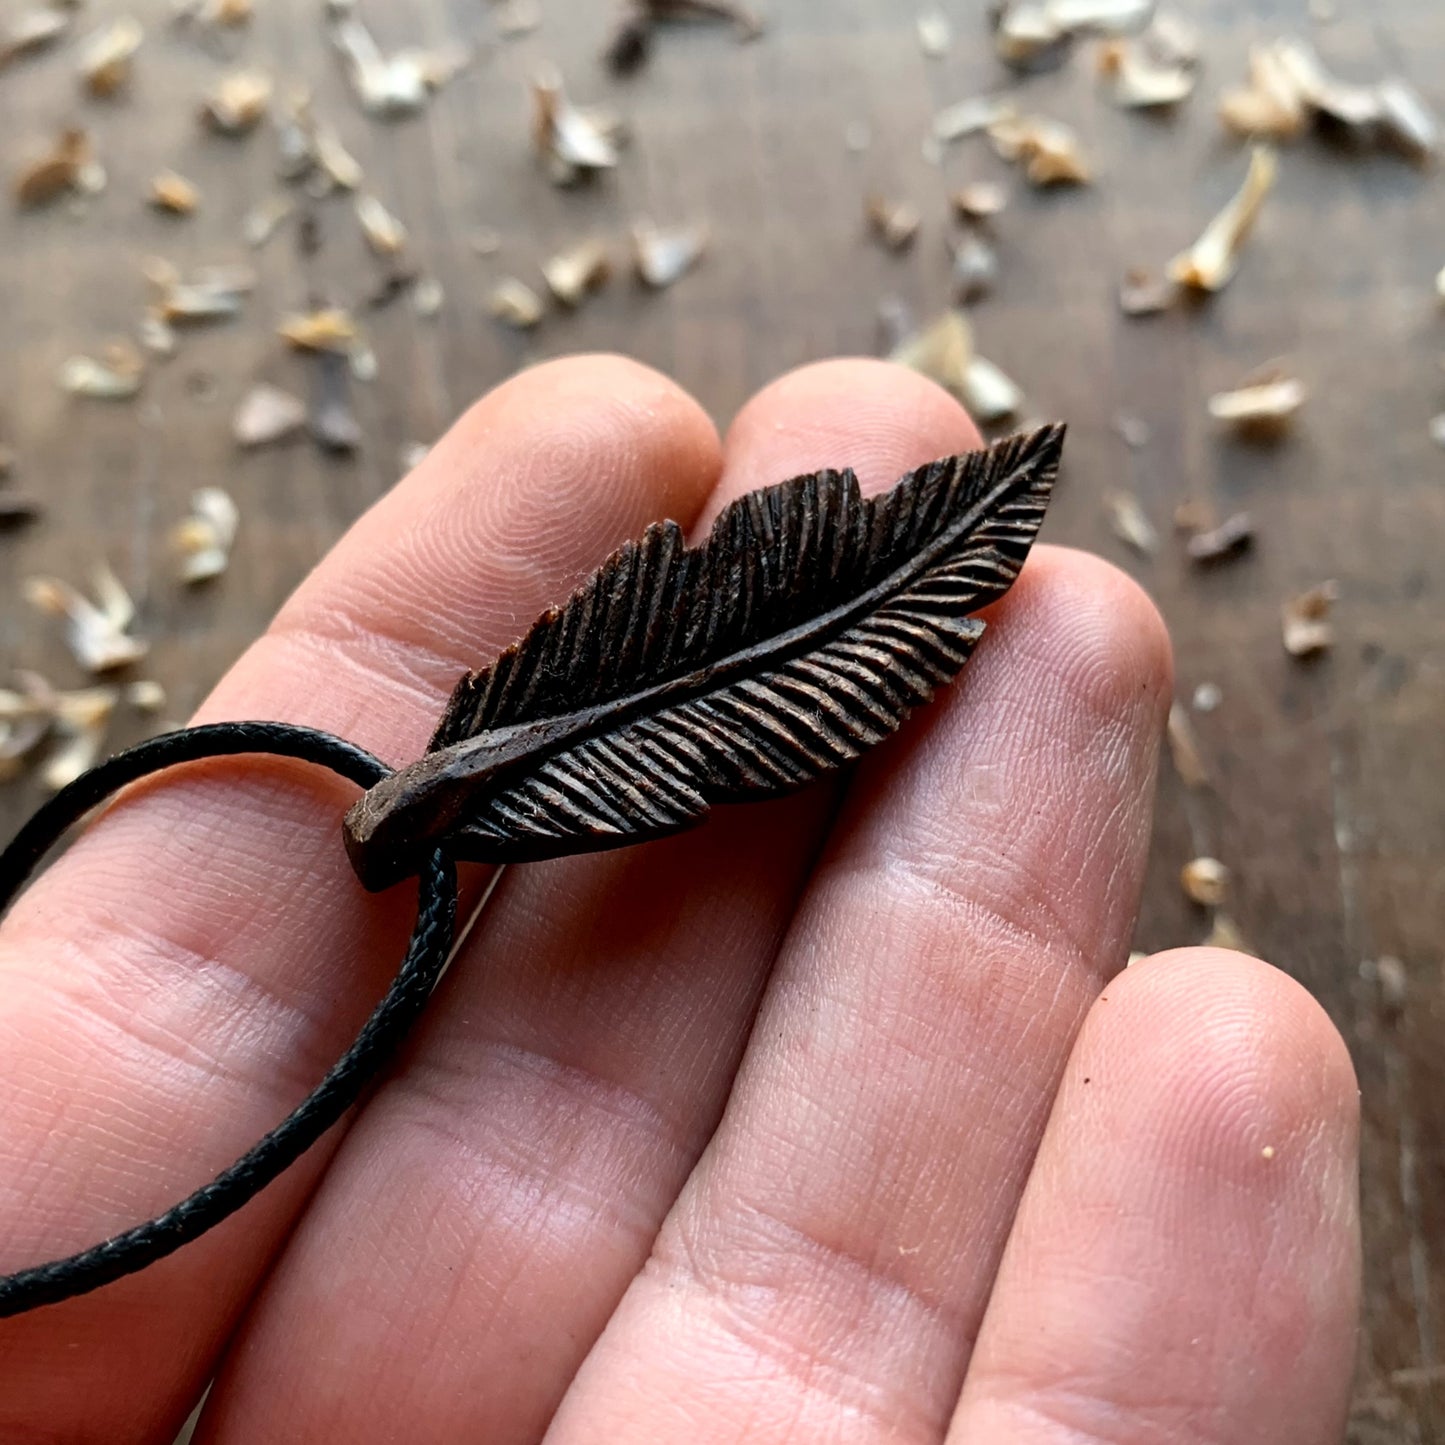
1328	800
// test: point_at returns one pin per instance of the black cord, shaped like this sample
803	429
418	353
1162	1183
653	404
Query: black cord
426	956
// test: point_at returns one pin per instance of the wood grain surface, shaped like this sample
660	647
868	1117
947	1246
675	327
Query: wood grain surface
1327	798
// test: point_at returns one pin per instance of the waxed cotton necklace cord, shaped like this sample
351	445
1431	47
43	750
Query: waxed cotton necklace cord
426	957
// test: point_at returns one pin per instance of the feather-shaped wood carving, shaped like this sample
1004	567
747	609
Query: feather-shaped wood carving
800	633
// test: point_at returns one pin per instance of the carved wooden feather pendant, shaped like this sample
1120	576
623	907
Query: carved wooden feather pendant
801	632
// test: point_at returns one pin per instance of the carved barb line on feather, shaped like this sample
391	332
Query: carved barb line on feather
800	633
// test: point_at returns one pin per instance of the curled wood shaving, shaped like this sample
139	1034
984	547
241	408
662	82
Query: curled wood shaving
266	415
895	223
203	541
384	233
1263	406
971	116
1140	80
1306	624
1270	104
975	268
156	334
630	42
663	255
361	361
336	163
330	328
574	273
935	34
515	303
1210	263
1205	881
1406	122
412	455
1184	750
1145	293
1026	36
989	393
216	294
979	201
61	170
1130	525
25	715
238	103
79	721
942	351
571	142
31	31
261	222
174	193
105	56
394	85
98	632
1048	150
117	376
1231	537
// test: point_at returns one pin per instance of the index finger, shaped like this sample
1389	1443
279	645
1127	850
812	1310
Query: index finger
174	985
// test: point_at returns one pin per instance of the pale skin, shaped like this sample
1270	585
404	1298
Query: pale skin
836	1120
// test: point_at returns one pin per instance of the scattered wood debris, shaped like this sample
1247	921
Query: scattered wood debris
384	233
106	56
266	415
32	31
979	201
238	103
1210	263
216	293
203	541
173	193
1048	150
571	142
1205	881
663	255
1264	405
573	274
1130	525
1144	79
1146	293
1216	544
334	426
972	116
395	85
117	376
515	303
935	33
1027	37
894	223
1306	619
1184	750
69	167
329	328
944	351
97	632
975	268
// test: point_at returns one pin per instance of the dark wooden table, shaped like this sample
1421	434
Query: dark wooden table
1327	801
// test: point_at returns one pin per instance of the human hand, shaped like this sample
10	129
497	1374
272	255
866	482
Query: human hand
833	1120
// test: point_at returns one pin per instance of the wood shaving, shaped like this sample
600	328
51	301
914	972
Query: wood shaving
1184	750
203	541
428	297
361	361
1130	525
975	268
145	695
25	717
1100	17
571	142
989	393
384	233
60	171
1141	81
117	376
238	103
663	255
935	34
515	303
106	56
1172	39
334	426
216	295
1146	293
894	223
1392	979
329	328
157	335
79	721
630	42
267	415
1270	104
942	351
1207	697
1048	150
395	85
1306	624
174	193
1231	537
1224	932
31	31
1211	262
573	274
1263	407
341	169
971	116
97	632
411	456
979	201
1205	881
263	220
1026	37
1406	122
